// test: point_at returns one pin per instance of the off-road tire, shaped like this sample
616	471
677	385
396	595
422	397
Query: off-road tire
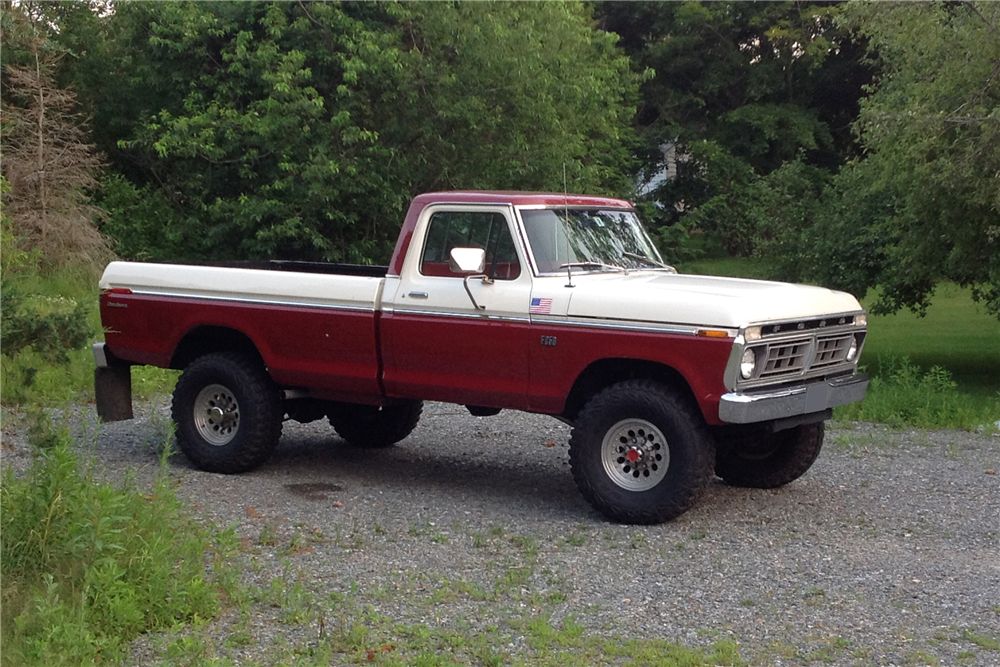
375	427
675	468
767	461
240	388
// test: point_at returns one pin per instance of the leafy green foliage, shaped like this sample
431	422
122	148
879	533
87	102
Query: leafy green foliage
772	216
931	127
88	565
142	220
301	130
740	90
504	95
44	323
790	207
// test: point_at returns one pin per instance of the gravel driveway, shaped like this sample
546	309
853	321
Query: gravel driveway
886	552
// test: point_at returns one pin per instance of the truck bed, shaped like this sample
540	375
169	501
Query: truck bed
313	324
332	268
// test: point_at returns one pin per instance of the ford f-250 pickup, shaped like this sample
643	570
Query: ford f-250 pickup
549	303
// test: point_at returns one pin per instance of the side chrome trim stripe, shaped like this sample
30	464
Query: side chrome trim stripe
260	302
643	328
459	316
684	331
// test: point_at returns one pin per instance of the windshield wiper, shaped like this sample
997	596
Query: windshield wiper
648	260
593	265
569	266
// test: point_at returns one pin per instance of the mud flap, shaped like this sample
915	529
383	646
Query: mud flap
113	392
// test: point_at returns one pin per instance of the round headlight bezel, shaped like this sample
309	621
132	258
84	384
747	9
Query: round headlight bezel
748	363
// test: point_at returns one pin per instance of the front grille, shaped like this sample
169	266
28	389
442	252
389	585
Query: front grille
786	358
831	350
809	352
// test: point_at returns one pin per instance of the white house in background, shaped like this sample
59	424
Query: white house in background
670	160
666	170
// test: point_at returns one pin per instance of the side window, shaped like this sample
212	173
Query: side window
469	229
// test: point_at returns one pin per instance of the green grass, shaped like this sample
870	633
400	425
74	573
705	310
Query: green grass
88	565
957	334
726	266
941	370
902	394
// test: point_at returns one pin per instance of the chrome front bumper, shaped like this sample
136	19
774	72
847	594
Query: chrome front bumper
765	405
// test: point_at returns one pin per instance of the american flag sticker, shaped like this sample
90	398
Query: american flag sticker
540	306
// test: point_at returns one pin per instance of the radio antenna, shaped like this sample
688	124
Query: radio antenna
565	193
569	269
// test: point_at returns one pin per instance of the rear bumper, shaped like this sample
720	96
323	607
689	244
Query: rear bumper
765	405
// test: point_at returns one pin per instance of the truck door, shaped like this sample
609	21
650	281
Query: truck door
452	338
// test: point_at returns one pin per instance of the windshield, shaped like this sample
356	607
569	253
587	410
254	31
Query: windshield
589	239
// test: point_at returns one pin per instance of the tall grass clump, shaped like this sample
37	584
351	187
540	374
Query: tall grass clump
87	565
902	394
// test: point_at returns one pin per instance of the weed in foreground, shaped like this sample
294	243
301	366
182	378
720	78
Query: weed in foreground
88	565
901	394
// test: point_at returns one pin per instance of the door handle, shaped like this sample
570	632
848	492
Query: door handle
417	295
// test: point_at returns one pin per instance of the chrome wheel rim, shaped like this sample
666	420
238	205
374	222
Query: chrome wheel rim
635	455
216	415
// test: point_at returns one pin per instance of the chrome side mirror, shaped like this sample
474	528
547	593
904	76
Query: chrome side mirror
471	262
467	260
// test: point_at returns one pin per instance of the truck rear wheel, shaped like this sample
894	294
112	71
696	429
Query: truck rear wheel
640	454
767	461
228	413
375	426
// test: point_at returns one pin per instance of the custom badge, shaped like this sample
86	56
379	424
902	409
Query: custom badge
540	306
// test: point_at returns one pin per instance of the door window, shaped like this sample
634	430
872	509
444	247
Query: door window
470	229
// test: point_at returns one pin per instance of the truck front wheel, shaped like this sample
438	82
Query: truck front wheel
767	461
228	413
375	426
640	454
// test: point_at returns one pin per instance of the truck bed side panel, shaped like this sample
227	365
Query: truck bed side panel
328	350
312	330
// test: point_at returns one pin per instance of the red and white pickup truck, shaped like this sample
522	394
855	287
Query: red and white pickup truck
549	303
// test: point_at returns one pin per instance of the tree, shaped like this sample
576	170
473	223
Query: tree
301	129
46	221
927	194
741	89
50	167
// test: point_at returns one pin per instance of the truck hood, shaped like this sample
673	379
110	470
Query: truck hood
700	300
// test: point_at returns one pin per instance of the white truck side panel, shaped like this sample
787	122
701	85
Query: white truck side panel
254	285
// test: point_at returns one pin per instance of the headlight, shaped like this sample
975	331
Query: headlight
747	364
861	320
853	352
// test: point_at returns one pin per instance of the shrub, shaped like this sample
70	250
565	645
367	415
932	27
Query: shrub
51	325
